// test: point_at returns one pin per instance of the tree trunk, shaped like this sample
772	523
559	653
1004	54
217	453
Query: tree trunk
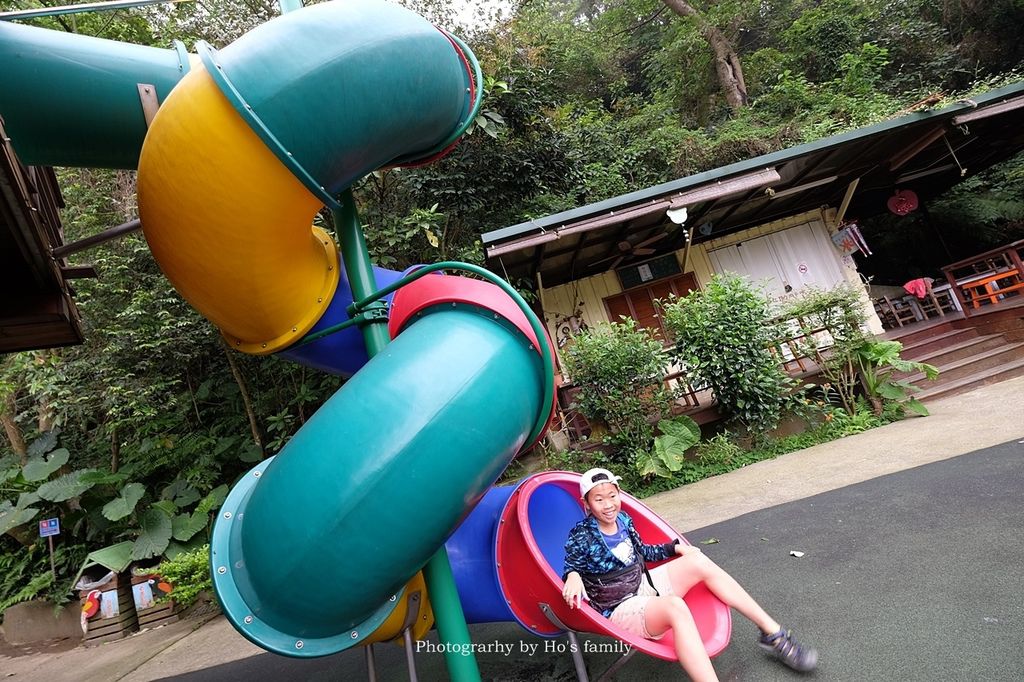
727	62
8	410
244	390
45	409
115	451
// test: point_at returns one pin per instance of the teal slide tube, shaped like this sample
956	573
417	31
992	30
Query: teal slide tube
341	89
309	547
74	100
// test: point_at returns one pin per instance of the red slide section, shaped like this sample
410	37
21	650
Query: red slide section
530	555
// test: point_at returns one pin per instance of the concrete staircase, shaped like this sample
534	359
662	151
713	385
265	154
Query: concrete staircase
965	351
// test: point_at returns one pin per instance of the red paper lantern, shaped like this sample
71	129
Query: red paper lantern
903	202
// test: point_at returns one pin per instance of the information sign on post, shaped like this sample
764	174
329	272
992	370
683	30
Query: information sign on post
47	529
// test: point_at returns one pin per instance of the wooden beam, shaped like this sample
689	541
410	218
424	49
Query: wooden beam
850	189
916	147
78	272
97	239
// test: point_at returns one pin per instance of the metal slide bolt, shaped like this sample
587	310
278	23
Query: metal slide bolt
393	597
257	474
354	635
222	570
299	644
319	300
227	515
295	329
248	620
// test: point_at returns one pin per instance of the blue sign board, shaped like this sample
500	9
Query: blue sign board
49	527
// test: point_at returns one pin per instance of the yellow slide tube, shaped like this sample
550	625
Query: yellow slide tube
217	247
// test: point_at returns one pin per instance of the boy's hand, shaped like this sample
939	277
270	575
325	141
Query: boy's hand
686	550
574	593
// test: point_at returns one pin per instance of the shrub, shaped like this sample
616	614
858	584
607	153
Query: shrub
848	357
723	334
619	369
841	312
189	573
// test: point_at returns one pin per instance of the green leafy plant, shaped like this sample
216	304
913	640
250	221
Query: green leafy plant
678	435
619	369
722	336
878	362
189	575
831	325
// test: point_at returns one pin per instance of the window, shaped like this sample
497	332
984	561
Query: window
638	303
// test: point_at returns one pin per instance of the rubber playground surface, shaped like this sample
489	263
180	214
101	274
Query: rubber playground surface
910	576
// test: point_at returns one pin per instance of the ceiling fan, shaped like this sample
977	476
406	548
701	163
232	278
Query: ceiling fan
627	249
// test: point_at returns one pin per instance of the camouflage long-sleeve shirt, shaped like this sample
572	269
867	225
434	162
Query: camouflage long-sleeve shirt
586	552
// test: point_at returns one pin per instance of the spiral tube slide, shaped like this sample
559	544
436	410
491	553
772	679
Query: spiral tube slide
519	533
253	142
375	481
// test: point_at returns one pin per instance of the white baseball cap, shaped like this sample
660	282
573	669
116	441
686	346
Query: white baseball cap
595	477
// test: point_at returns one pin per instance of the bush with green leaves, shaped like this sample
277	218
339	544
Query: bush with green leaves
722	336
188	573
619	369
839	311
847	355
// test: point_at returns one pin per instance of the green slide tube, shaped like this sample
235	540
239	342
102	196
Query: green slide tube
74	100
306	552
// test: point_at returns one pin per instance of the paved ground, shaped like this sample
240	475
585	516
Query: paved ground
911	570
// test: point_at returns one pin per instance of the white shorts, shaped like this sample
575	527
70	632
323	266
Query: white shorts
629	615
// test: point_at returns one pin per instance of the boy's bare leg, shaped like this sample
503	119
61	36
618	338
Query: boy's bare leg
694	567
662	613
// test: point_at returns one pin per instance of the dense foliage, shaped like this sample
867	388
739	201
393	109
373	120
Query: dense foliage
723	336
619	368
584	100
833	329
189	575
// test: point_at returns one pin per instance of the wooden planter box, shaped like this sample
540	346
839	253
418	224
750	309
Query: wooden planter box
117	617
152	614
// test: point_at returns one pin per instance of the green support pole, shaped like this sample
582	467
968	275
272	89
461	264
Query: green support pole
359	269
444	597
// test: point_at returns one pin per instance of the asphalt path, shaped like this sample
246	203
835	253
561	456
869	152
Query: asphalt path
917	575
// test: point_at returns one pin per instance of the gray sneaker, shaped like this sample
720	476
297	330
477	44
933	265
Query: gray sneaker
784	647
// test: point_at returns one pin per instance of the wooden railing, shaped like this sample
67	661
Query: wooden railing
987	279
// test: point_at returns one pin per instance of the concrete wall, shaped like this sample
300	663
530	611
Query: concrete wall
34	621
